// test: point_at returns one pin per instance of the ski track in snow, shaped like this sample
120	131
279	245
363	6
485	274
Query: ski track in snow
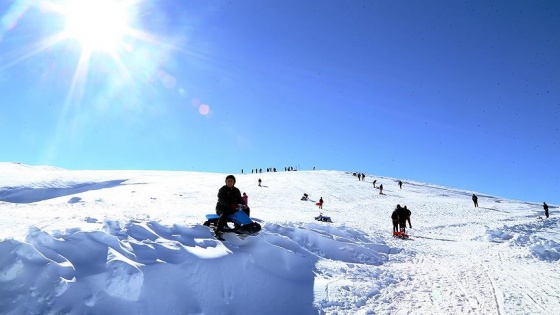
91	241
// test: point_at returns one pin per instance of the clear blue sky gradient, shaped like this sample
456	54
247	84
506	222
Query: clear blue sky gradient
463	94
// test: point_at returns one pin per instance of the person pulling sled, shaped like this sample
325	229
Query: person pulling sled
399	217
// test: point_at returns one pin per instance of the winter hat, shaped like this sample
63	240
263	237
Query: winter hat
232	177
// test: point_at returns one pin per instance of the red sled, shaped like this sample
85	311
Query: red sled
400	234
318	204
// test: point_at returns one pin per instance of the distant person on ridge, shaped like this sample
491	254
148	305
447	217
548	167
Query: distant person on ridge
229	197
381	189
400	184
475	200
545	207
374	181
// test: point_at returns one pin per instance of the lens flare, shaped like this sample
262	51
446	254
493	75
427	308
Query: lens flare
204	109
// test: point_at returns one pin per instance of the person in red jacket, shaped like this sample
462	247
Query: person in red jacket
246	202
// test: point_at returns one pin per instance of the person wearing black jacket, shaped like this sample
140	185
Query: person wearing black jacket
545	207
229	197
408	214
475	200
395	218
403	215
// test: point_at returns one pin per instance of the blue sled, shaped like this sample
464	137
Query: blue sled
241	221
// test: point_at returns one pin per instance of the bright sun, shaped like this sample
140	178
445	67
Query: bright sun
97	24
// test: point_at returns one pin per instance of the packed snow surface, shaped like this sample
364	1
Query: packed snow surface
133	242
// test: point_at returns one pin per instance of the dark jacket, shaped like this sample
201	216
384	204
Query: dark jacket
408	214
395	215
403	214
228	199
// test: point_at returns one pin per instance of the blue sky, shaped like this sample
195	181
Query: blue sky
458	93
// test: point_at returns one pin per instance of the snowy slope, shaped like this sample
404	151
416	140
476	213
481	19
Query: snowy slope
132	242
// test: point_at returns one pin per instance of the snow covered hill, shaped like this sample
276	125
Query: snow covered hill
132	242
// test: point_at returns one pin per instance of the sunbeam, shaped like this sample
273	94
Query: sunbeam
99	27
101	57
42	46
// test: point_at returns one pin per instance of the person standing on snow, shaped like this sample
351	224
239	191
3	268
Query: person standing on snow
260	182
229	197
545	207
395	218
320	203
403	214
475	200
408	214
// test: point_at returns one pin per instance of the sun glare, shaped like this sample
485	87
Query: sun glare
96	24
111	43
